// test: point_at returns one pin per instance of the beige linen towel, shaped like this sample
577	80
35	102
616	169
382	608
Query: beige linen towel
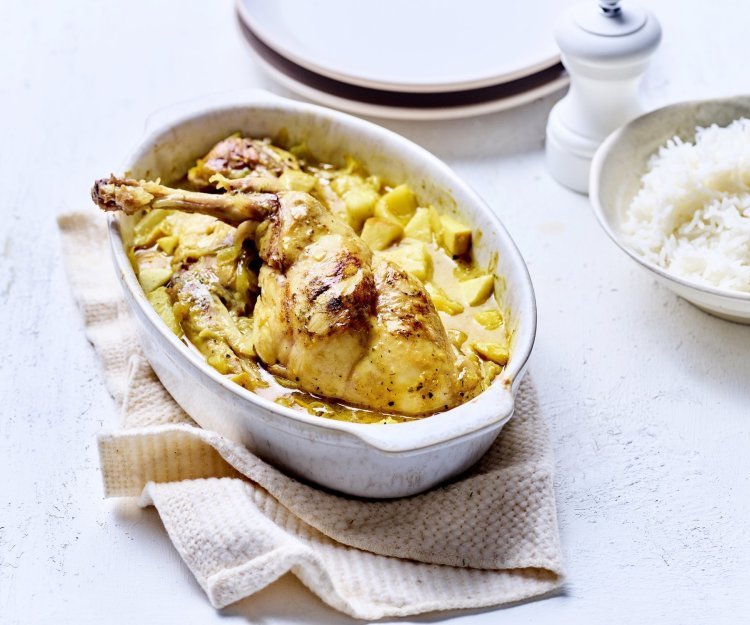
487	538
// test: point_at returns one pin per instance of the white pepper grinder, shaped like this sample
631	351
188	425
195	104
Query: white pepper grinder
606	46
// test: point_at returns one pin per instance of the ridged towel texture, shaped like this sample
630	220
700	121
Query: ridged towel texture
487	538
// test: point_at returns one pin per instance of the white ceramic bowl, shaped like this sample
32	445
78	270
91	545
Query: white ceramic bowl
616	172
359	459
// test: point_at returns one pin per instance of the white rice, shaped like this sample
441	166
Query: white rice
692	213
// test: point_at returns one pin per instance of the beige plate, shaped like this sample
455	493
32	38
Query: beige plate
406	106
615	178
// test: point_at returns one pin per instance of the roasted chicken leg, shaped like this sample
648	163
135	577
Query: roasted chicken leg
330	316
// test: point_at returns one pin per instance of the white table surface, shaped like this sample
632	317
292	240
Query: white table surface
648	399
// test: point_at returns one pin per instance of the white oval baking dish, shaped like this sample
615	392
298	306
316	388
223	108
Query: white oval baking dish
376	461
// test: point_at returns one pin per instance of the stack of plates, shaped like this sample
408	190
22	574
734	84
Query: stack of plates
408	59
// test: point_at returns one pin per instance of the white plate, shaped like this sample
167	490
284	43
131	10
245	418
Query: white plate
410	45
406	106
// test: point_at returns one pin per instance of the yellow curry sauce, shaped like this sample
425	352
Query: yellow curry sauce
435	248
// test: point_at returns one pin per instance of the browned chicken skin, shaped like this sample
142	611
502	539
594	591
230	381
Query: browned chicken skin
330	316
238	157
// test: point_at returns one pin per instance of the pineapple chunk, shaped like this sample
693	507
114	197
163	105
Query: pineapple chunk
360	204
343	182
379	234
352	166
220	360
375	182
153	277
441	300
397	205
227	256
492	351
168	244
245	380
383	212
154	269
490	370
457	337
412	257
293	180
419	226
477	291
150	228
162	303
456	236
435	223
489	319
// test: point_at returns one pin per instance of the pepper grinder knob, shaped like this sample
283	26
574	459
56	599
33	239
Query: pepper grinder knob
605	49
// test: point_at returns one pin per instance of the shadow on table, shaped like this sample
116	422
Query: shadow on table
711	353
496	135
288	600
145	526
500	134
